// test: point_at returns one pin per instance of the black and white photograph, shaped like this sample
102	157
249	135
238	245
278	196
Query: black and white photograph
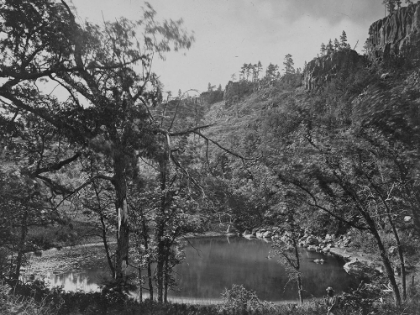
209	157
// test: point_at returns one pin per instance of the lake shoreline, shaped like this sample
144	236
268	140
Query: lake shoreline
62	259
74	263
48	261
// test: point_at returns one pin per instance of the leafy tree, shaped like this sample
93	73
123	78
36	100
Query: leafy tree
95	64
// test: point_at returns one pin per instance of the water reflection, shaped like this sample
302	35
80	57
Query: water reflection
213	264
73	282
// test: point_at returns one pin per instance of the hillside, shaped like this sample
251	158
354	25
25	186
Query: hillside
324	147
322	159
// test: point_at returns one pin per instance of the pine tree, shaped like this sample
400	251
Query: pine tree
272	72
330	47
289	64
343	40
243	71
390	5
323	49
336	45
260	67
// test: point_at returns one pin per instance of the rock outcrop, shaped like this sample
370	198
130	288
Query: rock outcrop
322	69
395	34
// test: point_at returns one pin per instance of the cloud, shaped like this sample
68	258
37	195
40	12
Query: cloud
232	32
333	11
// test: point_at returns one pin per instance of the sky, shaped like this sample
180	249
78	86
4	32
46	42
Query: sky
229	33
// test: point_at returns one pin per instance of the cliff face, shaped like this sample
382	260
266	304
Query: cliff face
322	69
394	34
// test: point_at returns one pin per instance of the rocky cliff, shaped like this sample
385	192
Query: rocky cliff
322	69
395	34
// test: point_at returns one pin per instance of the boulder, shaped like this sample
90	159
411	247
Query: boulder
312	248
248	234
328	238
267	234
312	240
361	270
392	250
407	218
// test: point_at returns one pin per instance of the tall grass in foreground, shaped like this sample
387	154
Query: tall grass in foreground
36	299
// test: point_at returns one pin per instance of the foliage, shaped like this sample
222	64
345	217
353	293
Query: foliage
240	299
106	74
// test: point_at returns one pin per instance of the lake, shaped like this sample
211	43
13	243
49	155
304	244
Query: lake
215	263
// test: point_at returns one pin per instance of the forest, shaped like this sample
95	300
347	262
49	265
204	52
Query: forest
92	150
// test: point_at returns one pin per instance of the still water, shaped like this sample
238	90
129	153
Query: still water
213	264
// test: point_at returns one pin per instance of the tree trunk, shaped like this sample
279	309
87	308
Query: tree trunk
388	268
300	289
140	286
161	229
400	255
297	267
167	272
150	278
149	260
385	260
108	256
22	244
120	185
159	269
399	246
166	281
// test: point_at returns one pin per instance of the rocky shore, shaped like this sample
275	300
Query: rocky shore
358	264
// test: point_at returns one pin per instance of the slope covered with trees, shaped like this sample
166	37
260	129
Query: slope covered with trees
330	148
340	154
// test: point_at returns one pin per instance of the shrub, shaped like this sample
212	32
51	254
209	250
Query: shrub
240	299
